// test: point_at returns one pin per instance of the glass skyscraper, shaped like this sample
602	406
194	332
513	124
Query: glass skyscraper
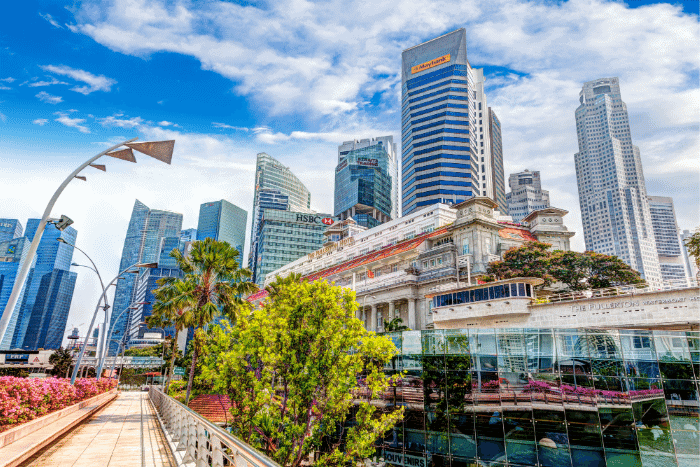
43	278
497	171
611	189
366	185
438	110
9	229
277	188
13	253
668	242
143	244
224	222
49	315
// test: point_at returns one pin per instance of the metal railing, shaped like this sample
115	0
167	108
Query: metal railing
197	441
616	292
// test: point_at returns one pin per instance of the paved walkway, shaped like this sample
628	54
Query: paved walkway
112	438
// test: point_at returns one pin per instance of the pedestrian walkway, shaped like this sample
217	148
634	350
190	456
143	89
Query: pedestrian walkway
125	434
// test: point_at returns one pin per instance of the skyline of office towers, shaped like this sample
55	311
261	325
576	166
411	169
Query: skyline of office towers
143	244
366	181
276	188
52	309
13	253
9	229
223	221
526	194
438	115
612	193
666	235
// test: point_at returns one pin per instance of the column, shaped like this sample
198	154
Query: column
391	311
373	323
412	314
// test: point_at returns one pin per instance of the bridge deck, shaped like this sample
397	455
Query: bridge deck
125	434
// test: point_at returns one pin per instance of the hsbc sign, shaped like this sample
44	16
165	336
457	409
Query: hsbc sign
312	219
327	220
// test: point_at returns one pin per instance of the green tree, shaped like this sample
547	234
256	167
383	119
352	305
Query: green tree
395	325
62	360
693	244
292	370
578	271
213	284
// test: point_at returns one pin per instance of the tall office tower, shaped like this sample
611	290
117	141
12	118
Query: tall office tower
276	187
49	316
439	124
13	253
611	189
526	194
668	244
188	235
9	229
51	255
143	244
366	187
224	222
691	267
497	171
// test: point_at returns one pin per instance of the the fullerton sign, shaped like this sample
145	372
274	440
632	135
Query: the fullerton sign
335	246
631	304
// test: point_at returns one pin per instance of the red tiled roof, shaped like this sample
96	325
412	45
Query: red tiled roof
262	293
522	233
214	407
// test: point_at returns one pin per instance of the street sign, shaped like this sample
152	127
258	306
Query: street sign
179	371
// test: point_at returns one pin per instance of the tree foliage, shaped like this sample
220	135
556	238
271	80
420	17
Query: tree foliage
291	368
578	271
62	360
693	245
213	284
395	325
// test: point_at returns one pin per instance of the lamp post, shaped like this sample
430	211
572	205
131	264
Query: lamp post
162	343
111	333
161	150
102	297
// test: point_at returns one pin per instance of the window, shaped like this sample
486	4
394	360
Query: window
394	267
641	342
425	265
439	261
465	247
432	263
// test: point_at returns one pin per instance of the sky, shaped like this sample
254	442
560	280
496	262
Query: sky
295	79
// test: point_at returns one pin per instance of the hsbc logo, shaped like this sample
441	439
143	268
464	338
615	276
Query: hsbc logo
311	219
327	221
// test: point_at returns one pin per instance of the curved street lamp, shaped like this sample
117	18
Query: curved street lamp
161	150
110	333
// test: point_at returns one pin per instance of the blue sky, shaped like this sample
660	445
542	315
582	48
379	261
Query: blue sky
295	79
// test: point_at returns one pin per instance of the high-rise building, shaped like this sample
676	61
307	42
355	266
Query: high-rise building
691	267
668	243
13	253
611	189
143	244
497	171
47	323
51	255
439	124
9	229
188	235
526	194
366	187
277	188
224	222
285	236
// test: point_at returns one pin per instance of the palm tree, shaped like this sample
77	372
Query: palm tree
395	325
213	284
163	317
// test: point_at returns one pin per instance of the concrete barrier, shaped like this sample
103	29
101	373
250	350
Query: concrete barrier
23	441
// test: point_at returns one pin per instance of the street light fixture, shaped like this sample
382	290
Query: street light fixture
110	333
160	150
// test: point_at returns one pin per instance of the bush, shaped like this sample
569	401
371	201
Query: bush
23	399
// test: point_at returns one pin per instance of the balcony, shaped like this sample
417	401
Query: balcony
389	280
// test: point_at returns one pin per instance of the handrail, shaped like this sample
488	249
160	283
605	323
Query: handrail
197	440
614	292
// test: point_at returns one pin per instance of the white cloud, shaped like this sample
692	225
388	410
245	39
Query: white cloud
93	82
4	88
114	121
225	126
40	121
165	123
8	79
53	81
64	119
52	21
44	96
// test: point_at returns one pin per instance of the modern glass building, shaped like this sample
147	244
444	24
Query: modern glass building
668	242
276	188
47	323
224	222
13	253
188	235
497	171
526	194
143	244
51	256
366	187
438	117
9	229
285	236
544	397
611	189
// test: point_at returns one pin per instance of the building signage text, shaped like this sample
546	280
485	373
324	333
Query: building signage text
430	64
398	458
342	165
630	304
9	226
367	162
311	219
328	249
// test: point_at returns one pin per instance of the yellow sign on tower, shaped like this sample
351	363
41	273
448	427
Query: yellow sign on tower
430	64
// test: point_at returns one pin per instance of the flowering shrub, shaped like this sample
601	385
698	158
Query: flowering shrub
23	399
542	387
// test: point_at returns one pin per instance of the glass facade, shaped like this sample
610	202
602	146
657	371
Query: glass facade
224	222
10	229
437	120
497	172
365	181
47	323
544	397
12	256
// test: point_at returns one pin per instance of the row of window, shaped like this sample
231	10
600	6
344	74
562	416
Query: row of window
486	293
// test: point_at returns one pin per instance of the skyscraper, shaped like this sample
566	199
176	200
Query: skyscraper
668	243
611	189
366	187
143	244
51	255
49	316
9	229
13	253
438	115
188	235
526	194
276	187
497	172
224	222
